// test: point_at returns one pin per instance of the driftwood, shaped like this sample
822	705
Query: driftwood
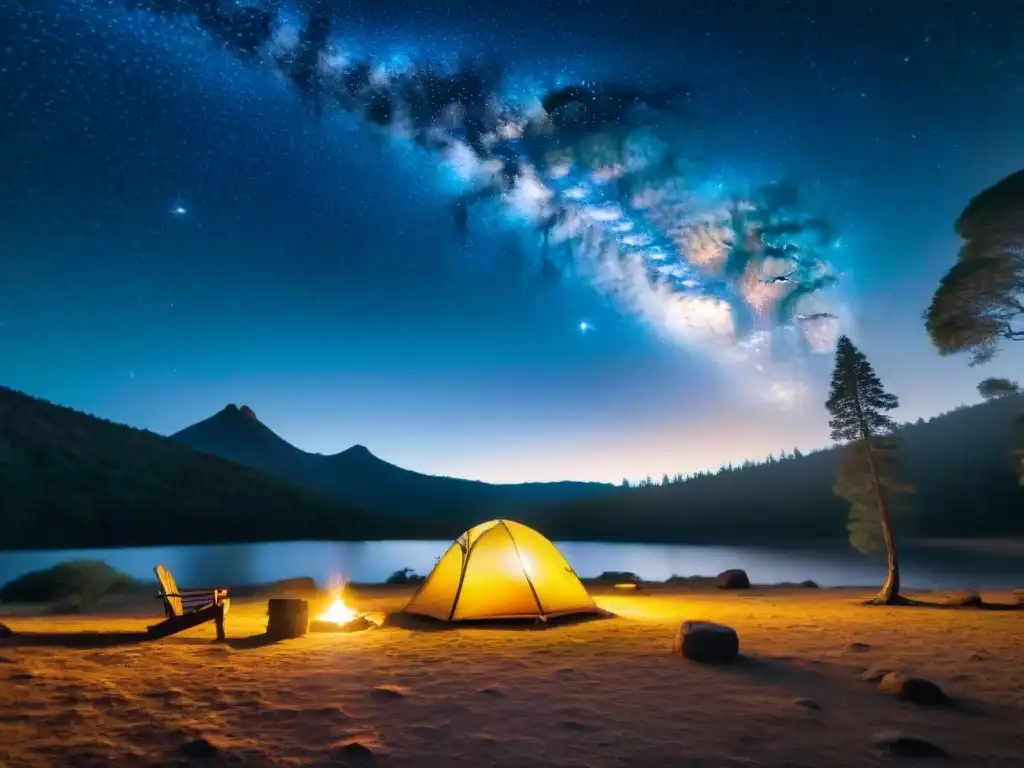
287	618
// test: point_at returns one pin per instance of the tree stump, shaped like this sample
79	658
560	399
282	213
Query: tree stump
287	618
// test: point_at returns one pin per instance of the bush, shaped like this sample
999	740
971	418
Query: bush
78	583
294	584
405	576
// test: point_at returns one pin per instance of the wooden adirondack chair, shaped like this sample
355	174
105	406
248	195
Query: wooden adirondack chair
185	608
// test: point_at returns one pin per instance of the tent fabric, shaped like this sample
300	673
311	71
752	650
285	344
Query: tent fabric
501	570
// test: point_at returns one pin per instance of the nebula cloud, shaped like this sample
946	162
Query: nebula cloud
741	277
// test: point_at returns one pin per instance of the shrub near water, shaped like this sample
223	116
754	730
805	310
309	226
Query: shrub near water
73	585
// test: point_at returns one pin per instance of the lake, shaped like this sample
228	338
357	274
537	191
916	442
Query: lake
829	564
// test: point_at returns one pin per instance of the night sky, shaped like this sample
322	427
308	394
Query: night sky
179	230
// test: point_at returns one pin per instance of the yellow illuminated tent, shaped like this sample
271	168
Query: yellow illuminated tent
501	570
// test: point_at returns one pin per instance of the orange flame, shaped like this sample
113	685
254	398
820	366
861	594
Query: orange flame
338	612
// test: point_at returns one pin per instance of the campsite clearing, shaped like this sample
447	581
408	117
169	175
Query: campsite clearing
606	692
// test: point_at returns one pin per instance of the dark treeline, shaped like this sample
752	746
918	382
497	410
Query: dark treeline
961	464
71	480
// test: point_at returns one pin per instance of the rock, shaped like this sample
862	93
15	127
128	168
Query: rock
248	412
707	642
6	631
858	647
354	753
916	690
389	692
734	578
967	597
809	584
627	577
875	674
806	703
199	749
899	745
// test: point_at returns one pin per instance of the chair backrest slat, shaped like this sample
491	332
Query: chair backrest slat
168	587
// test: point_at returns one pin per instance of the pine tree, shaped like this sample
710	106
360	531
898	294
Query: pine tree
867	475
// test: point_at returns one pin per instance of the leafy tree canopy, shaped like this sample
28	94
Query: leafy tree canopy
997	387
978	302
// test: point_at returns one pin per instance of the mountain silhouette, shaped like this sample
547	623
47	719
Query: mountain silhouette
358	477
71	480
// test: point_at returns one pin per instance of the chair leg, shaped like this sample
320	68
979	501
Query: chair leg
218	620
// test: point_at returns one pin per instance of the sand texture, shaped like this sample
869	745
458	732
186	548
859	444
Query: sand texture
601	693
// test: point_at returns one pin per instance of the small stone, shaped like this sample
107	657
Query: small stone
806	703
491	692
6	631
858	647
354	753
734	578
899	745
389	692
707	642
199	749
875	674
916	690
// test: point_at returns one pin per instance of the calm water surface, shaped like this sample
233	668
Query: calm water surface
374	561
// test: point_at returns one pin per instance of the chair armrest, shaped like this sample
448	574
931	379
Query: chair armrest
218	591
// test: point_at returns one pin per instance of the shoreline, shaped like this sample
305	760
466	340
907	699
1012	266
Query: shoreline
1012	544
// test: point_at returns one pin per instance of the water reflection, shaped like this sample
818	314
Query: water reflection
374	561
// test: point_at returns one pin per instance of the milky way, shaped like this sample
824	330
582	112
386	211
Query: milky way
596	170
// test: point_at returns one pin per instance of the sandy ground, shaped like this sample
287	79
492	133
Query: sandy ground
601	693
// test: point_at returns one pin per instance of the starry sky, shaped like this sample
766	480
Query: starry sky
179	231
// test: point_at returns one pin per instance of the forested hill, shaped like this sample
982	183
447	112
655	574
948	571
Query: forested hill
961	463
70	480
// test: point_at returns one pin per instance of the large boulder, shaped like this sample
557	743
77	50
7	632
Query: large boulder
734	578
707	642
916	690
6	631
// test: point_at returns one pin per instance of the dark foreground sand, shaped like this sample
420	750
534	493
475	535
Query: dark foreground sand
603	693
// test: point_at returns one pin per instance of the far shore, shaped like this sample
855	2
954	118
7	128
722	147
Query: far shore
1009	545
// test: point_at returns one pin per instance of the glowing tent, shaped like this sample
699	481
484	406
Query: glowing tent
501	570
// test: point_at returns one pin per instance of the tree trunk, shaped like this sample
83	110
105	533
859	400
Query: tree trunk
890	593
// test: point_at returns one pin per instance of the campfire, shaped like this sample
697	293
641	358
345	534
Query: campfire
340	617
337	613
